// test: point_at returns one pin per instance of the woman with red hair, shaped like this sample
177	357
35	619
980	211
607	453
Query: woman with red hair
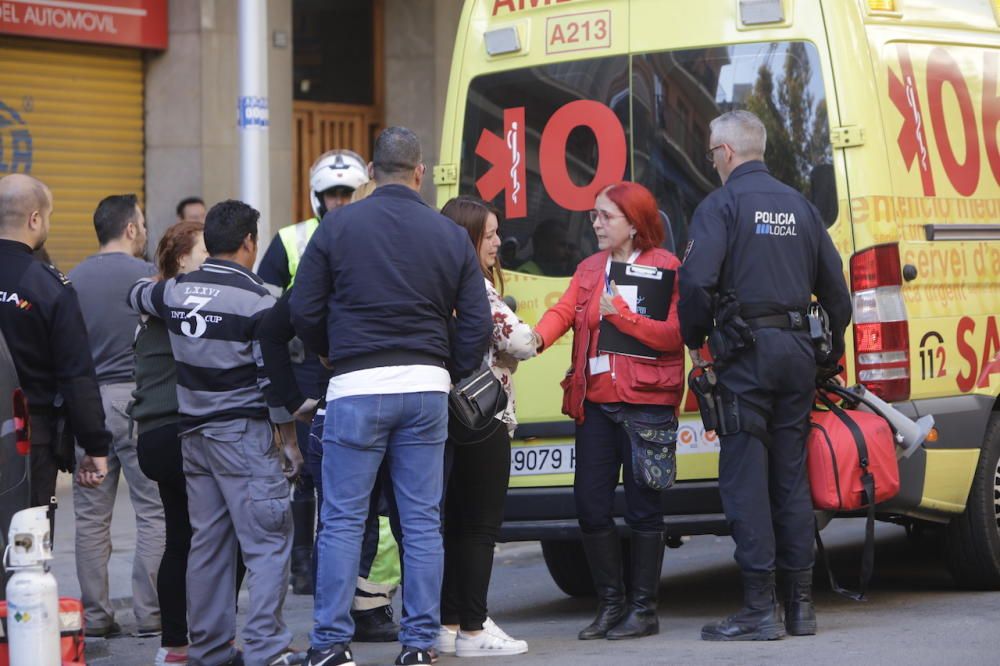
625	408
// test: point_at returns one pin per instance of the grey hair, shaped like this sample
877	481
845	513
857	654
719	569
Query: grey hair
742	131
397	152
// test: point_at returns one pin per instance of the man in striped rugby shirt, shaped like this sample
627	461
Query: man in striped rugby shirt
237	488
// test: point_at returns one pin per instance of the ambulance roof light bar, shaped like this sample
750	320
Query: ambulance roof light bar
758	12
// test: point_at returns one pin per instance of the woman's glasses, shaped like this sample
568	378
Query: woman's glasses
601	215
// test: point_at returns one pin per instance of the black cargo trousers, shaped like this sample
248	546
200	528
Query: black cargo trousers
765	487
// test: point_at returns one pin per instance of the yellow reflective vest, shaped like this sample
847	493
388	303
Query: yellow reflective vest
295	238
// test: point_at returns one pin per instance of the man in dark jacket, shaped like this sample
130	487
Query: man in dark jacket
41	321
374	294
758	251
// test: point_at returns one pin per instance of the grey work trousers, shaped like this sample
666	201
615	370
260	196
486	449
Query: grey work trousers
237	493
93	508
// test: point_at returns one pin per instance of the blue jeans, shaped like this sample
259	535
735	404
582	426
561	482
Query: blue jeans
409	429
312	453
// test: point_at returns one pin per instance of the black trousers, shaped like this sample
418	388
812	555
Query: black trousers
44	469
765	491
159	454
473	513
603	452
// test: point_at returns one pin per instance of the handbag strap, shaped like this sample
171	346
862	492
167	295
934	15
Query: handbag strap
868	485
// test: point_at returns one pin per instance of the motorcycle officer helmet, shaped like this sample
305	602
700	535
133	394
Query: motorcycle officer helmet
335	170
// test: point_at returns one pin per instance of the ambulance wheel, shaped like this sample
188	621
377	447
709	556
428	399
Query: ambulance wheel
973	543
567	564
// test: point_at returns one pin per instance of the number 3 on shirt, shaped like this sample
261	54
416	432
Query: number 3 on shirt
199	322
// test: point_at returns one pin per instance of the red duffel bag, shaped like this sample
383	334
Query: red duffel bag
851	455
851	458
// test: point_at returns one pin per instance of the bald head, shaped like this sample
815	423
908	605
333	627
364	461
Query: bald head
25	207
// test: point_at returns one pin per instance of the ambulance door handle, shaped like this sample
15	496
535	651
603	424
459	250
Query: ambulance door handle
909	272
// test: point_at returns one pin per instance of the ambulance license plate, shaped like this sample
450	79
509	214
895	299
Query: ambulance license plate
554	459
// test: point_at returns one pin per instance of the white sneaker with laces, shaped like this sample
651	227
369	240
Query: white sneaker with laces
446	640
491	642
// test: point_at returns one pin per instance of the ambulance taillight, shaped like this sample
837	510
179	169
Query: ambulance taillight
881	330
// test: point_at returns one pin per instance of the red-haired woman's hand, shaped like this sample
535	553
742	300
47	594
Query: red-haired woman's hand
607	301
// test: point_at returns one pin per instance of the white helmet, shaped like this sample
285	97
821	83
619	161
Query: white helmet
336	168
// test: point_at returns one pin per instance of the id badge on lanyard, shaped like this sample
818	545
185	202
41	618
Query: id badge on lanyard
602	363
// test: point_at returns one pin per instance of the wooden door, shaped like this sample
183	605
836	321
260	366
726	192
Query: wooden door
319	127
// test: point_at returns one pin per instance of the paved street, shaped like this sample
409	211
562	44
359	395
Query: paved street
914	616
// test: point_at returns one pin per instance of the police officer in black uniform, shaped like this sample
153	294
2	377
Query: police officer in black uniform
758	251
40	320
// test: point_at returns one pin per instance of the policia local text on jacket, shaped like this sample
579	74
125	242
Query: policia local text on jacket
41	321
766	242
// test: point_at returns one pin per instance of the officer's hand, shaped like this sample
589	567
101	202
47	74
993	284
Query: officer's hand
607	304
307	411
696	358
92	471
325	362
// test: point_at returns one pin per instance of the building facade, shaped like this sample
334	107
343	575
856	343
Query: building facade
140	96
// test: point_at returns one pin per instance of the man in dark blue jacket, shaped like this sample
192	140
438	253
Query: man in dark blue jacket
758	251
374	294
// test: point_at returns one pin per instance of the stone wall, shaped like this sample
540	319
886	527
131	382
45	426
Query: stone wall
192	146
419	39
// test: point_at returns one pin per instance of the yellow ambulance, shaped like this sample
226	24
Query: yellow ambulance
885	113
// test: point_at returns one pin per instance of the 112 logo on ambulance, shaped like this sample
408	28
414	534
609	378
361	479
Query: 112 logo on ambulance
506	153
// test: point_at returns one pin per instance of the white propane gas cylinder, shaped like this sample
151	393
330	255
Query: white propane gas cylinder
33	619
32	594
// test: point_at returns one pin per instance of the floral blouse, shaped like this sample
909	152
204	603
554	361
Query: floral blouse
510	342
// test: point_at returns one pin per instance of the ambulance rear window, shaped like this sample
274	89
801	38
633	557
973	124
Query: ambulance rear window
662	109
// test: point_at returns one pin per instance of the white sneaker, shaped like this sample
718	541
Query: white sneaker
446	640
492	641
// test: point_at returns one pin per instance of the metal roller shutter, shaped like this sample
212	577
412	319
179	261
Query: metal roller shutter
82	107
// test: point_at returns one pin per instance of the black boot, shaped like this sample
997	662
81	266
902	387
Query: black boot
758	620
796	593
604	555
647	560
375	625
304	523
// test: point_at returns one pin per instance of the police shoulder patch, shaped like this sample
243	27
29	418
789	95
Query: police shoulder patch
56	273
688	249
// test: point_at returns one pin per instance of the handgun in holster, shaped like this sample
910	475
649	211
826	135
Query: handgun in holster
719	407
702	382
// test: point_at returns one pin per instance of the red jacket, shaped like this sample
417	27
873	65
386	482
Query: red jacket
631	380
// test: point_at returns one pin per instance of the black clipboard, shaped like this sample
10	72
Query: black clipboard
655	289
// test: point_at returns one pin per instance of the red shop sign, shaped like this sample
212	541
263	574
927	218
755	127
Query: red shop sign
139	23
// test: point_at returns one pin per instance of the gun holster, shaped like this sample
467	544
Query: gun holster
720	407
732	334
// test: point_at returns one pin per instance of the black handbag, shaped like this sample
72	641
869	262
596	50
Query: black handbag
473	405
